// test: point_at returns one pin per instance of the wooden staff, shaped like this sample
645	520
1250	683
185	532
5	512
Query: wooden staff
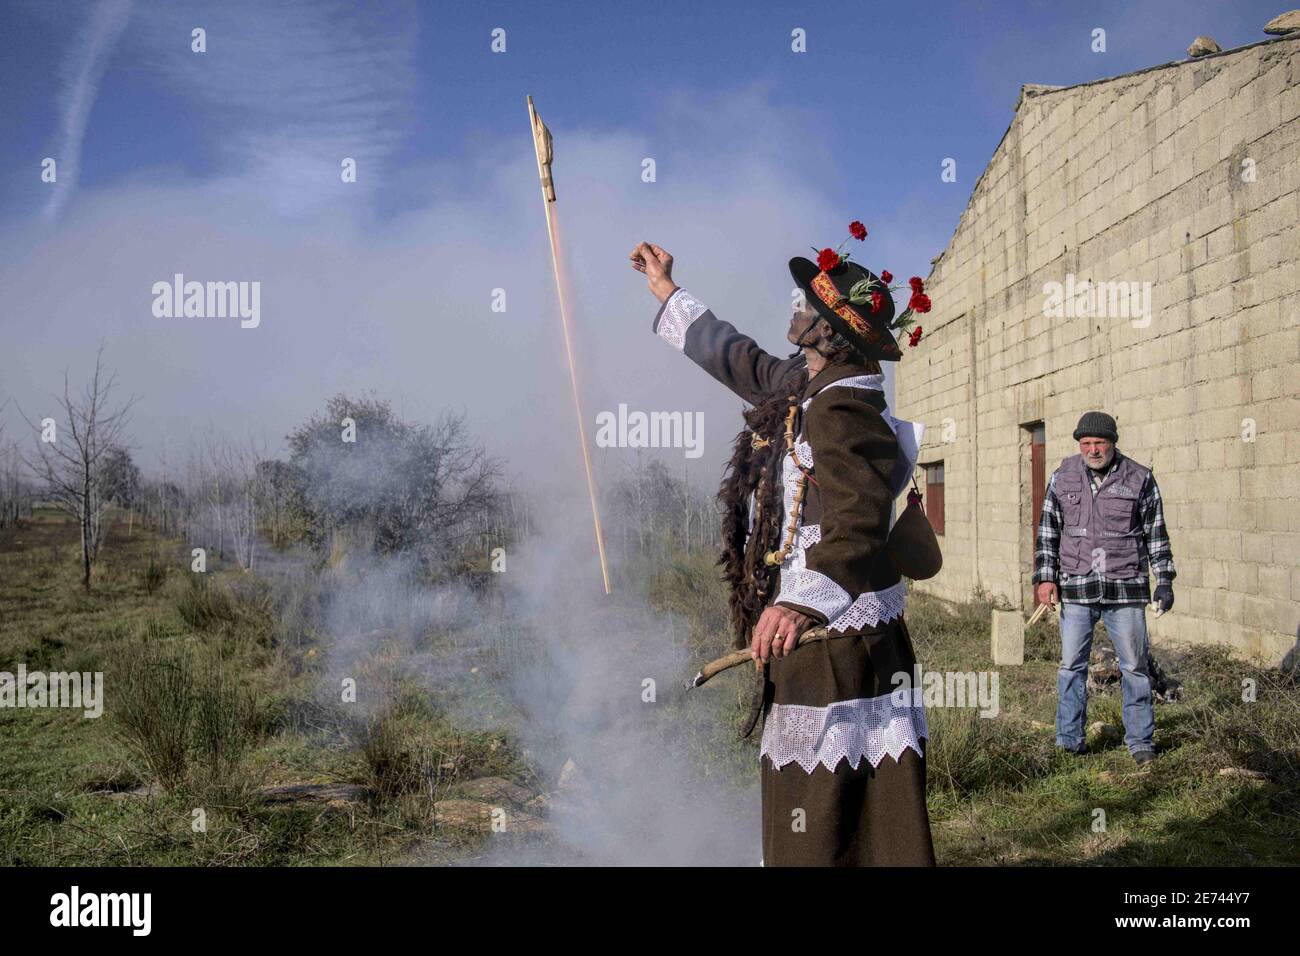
743	656
543	148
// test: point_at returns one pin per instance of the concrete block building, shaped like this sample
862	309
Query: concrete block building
1132	246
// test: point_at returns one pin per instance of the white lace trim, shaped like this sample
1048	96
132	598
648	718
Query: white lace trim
789	485
798	584
845	730
812	589
807	588
853	381
679	312
873	607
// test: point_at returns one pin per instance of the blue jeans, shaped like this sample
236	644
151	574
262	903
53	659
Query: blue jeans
1127	625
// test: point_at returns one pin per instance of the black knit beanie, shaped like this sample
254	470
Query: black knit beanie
1096	425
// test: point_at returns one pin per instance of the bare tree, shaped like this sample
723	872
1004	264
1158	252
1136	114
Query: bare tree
161	500
13	493
70	464
655	513
240	462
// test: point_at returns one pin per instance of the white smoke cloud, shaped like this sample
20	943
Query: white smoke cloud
404	306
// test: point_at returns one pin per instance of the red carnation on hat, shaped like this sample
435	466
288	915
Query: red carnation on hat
827	260
869	292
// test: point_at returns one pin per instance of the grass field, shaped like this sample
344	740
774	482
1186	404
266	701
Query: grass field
214	701
211	700
1001	794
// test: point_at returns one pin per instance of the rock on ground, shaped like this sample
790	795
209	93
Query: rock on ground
1099	729
477	815
314	793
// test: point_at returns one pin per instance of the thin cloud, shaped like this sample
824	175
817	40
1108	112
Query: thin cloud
287	90
80	72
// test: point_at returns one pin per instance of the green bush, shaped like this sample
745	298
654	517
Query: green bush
942	630
398	758
202	603
691	586
226	723
152	697
1043	640
182	715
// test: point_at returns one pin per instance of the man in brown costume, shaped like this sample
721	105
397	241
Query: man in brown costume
807	503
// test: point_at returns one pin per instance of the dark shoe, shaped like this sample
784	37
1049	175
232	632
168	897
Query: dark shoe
1078	751
1143	756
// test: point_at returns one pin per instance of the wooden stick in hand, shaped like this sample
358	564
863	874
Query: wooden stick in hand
744	656
1039	612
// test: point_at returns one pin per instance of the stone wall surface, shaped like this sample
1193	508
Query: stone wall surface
1185	177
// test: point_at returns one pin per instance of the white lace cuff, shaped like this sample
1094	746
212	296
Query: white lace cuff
679	312
815	590
845	730
873	607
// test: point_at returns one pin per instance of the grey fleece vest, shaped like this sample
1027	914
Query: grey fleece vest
1101	531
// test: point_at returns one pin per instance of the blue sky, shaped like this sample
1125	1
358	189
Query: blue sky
889	86
225	165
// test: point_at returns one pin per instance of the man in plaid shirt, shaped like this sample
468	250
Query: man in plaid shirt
1102	533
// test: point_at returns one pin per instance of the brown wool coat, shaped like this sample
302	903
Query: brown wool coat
867	816
854	452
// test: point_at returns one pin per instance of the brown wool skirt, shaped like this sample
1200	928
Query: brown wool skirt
871	816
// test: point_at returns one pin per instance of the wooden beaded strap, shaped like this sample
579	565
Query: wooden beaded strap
778	557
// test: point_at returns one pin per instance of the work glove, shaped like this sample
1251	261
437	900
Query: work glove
1164	597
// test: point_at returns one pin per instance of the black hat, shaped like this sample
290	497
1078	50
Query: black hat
1096	425
828	293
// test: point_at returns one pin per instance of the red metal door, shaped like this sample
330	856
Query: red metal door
1038	471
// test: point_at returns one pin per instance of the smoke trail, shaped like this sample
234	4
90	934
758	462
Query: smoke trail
661	781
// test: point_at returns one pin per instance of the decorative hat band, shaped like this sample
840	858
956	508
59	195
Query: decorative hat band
869	291
830	295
